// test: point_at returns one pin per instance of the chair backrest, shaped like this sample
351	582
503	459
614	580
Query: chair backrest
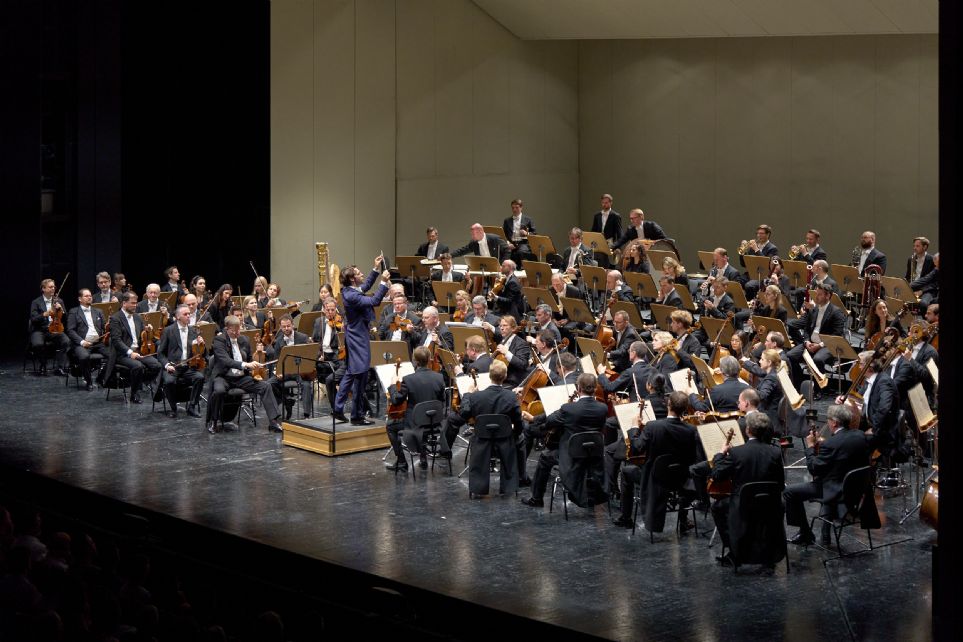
493	427
760	498
669	472
586	445
428	413
855	484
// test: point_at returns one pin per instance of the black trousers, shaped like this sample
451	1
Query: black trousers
182	376
631	475
796	495
145	368
248	384
82	355
543	469
60	342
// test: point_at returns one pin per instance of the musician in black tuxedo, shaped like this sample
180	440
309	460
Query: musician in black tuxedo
821	317
845	450
639	228
880	412
476	357
920	262
623	335
175	348
432	330
762	245
42	310
820	276
125	331
482	317
515	350
510	300
680	324
757	460
172	284
721	267
724	396
631	378
330	364
153	303
575	255
230	368
85	329
103	293
583	414
482	244
288	336
404	330
607	221
669	436
446	273
811	251
545	323
431	248
421	385
517	227
497	399
869	255
667	293
928	286
717	305
614	285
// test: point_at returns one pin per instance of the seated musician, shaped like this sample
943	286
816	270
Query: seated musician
120	283
820	317
635	259
274	299
221	308
323	293
388	310
476	356
231	369
717	305
482	244
172	282
669	436
821	276
260	291
665	359
104	294
623	335
517	227
927	287
421	385
575	255
446	274
772	341
288	336
198	288
654	396
462	306
42	311
639	228
811	251
676	271
510	300
194	313
330	362
923	350
582	414
724	397
845	450
432	248
721	266
544	323
515	351
680	324
497	399
768	388
633	377
559	289
667	294
399	326
174	351
85	329
432	331
880	407
762	245
125	333
251	317
757	460
615	284
153	303
548	360
767	304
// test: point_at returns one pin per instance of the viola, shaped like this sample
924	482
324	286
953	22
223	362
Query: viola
197	360
259	372
498	287
397	410
147	345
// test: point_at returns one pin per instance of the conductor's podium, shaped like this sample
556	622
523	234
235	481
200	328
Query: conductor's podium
321	435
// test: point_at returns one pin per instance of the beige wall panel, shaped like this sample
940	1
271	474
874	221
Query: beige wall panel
415	107
374	221
527	153
559	61
453	86
928	205
491	97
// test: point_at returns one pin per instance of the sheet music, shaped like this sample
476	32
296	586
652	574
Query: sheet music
627	412
921	407
934	371
464	382
820	377
386	373
552	397
713	436
587	365
682	381
792	395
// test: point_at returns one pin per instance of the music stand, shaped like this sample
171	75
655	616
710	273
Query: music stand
306	321
592	348
541	246
898	288
835	300
385	352
461	334
839	348
536	296
157	320
757	266
706	260
734	290
772	324
642	284
596	241
378	309
660	314
790	310
686	296
657	258
110	309
496	230
576	310
537	274
298	360
712	326
483	265
170	298
847	277
445	291
797	272
704	371
594	279
630	309
238	301
207	330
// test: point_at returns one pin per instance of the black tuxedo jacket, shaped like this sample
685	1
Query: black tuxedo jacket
875	257
37	309
76	326
167	287
384	330
845	451
669	436
725	396
169	348
928	284
420	334
421	385
511	301
224	357
770	394
456	277
834	321
493	400
482	364
926	353
726	305
583	415
832	283
753	461
526	224
299	339
928	266
818	254
769	249
496	247
613	225
318	335
650	230
881	410
588	258
143	306
423	249
120	338
672	299
619	354
521	356
639	370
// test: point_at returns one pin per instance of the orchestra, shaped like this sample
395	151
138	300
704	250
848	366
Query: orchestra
512	342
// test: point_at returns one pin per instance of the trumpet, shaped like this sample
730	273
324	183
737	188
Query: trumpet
796	250
746	246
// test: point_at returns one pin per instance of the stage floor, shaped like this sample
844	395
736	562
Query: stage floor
583	574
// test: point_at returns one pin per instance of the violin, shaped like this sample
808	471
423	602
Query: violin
56	325
197	360
106	336
498	287
458	316
397	411
147	345
259	372
268	331
400	323
604	333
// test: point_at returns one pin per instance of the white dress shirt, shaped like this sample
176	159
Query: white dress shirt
91	330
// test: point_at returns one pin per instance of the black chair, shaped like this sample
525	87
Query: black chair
492	429
428	415
119	379
669	473
74	370
183	393
761	516
852	508
237	401
585	448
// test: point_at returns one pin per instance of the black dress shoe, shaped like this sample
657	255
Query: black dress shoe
135	398
725	560
525	483
531	501
61	372
802	539
192	411
621	522
362	422
274	426
172	414
210	427
340	418
89	387
423	463
398	466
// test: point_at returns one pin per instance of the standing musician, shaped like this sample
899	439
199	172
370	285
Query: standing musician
667	294
868	254
221	308
624	335
173	283
810	251
421	385
724	397
125	329
575	255
330	362
757	460
260	291
510	300
515	351
845	450
174	349
927	287
517	227
483	244
920	262
431	248
669	436
821	317
252	318
85	328
153	303
230	369
432	331
288	336
608	222
639	229
544	323
583	414
359	313
104	294
42	311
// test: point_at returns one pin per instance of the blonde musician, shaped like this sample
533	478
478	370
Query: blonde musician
260	291
767	304
251	317
769	389
666	359
462	306
514	349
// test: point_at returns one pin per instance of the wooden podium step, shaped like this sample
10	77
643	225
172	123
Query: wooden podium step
320	435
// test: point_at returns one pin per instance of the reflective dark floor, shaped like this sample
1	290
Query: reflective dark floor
583	574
